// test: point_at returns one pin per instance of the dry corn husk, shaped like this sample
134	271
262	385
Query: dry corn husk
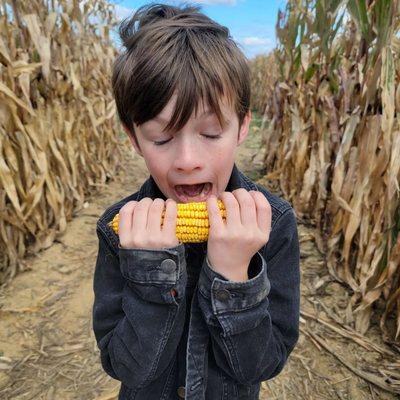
332	134
57	125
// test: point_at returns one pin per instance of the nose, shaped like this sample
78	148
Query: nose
187	157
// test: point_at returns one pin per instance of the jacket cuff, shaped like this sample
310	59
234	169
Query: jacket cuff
154	272
229	296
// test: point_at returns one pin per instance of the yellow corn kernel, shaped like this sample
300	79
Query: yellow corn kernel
192	223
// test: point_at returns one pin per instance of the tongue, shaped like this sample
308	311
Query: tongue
192	190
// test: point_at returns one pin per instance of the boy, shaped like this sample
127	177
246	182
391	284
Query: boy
205	320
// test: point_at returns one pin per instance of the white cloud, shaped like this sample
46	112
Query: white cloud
255	45
123	12
256	41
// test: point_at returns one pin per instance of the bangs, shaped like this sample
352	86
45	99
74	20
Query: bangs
195	92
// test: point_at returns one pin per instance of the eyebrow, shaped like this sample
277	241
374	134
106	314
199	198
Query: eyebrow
162	120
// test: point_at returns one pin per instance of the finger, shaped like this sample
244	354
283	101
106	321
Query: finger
154	218
264	212
125	218
248	212
214	216
139	222
171	212
232	209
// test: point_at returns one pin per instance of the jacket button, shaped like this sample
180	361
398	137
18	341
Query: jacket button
168	265
181	392
223	294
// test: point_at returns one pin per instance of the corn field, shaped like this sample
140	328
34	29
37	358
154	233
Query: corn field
56	119
264	74
332	135
330	94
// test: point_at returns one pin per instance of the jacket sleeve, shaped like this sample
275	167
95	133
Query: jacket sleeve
137	320
254	325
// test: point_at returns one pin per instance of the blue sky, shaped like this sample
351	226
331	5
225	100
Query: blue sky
250	22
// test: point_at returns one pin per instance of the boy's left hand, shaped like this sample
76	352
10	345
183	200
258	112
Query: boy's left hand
232	244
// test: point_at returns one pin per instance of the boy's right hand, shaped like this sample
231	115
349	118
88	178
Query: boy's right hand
140	224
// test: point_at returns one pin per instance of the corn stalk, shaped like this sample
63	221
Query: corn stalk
264	73
333	142
56	119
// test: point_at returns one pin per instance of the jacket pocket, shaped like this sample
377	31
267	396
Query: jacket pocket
217	385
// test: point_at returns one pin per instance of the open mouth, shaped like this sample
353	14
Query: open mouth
196	192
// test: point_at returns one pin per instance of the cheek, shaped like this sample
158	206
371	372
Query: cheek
226	151
153	161
159	162
156	164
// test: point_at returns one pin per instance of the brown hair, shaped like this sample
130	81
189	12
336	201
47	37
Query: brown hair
177	49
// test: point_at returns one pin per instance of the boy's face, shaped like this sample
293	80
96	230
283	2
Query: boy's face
191	165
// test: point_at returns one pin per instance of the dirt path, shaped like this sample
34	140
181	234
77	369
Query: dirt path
48	350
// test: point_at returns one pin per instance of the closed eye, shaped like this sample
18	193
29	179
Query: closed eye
212	137
161	142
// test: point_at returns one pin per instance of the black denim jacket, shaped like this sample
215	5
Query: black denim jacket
216	339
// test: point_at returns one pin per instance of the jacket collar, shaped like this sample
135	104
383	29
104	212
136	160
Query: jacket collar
237	180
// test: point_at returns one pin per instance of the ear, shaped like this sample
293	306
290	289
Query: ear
132	137
244	129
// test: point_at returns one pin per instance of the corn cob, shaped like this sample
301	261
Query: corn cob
192	223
